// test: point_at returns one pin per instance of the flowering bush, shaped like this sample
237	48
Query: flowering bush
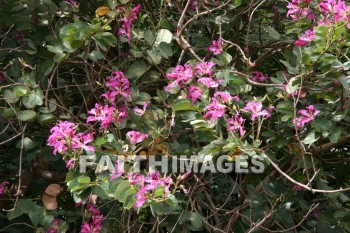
92	90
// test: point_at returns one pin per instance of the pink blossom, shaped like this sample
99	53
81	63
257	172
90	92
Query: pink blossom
104	114
260	77
128	19
80	141
224	96
140	197
298	188
135	178
118	85
209	82
2	186
296	11
315	213
306	38
256	109
71	3
55	226
95	223
307	115
138	111
118	170
70	164
136	137
182	74
121	114
61	136
194	93
236	124
216	47
214	110
204	68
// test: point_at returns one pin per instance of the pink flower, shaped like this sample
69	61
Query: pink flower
209	82
104	115
140	198
70	164
194	93
118	170
138	111
80	141
214	110
296	11
216	47
316	214
2	186
298	188
204	69
306	38
236	124
71	3
121	113
181	75
308	115
136	137
135	178
118	85
256	109
95	224
260	77
61	136
128	19
55	226
224	96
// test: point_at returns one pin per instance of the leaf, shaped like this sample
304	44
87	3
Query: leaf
10	97
35	98
310	138
95	55
121	187
26	115
136	69
21	91
165	49
182	105
273	33
163	35
84	180
103	10
292	86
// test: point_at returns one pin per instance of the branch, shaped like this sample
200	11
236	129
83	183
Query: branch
328	146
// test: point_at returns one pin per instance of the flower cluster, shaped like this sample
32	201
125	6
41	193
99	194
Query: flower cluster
330	12
216	47
147	184
216	108
2	186
183	75
260	77
136	137
95	223
256	108
298	9
307	115
236	124
118	84
63	137
127	20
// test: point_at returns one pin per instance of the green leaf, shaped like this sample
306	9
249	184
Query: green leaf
95	55
10	97
35	98
310	138
84	180
46	117
26	115
184	104
124	1
273	34
21	91
100	141
121	187
163	35
165	49
136	69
